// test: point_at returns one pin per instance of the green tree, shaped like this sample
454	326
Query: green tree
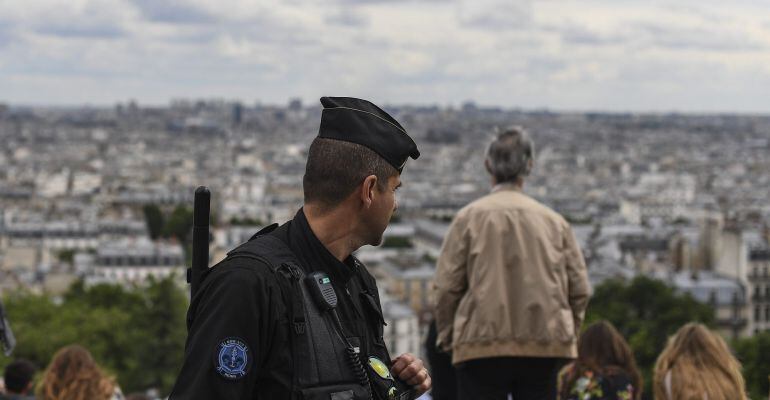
104	296
42	326
136	333
154	219
66	256
179	223
754	355
213	219
164	327
646	311
247	221
398	242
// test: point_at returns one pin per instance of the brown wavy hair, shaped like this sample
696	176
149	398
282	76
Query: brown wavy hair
700	363
603	350
74	375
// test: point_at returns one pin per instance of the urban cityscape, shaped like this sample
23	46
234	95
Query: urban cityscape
681	198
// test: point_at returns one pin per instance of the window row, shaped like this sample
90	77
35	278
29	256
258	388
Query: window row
760	316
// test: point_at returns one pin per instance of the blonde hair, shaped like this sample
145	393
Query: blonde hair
701	366
74	375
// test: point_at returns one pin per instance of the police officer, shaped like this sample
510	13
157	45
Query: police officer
291	314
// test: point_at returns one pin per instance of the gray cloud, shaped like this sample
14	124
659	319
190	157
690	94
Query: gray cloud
678	38
89	20
601	54
495	15
57	65
364	2
88	31
580	35
174	12
347	17
203	36
546	65
7	34
700	11
651	34
261	29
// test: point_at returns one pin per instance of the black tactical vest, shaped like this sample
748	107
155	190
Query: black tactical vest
324	367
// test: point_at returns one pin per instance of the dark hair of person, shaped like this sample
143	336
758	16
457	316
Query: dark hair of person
18	375
335	168
604	351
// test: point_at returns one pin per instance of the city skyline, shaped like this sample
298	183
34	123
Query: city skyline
634	56
93	200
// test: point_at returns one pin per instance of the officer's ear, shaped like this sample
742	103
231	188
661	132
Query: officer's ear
368	189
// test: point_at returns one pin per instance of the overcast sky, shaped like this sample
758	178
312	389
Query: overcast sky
636	55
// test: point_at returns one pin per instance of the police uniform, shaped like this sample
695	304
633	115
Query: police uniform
255	330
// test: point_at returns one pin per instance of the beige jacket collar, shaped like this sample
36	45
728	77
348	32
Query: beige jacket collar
506	186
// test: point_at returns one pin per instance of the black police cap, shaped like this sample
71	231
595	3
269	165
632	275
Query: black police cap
359	121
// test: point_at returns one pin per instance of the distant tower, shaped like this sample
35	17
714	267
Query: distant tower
237	114
680	253
295	105
766	233
710	243
133	108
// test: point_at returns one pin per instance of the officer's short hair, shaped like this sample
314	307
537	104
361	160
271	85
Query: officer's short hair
509	154
18	375
335	168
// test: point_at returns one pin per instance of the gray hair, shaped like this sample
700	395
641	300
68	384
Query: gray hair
509	155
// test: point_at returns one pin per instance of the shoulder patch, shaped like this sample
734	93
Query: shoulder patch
232	358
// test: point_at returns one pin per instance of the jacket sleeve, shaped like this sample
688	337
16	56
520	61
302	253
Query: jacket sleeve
235	306
450	282
577	275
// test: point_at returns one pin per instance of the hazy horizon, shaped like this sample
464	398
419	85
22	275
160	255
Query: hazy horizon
307	103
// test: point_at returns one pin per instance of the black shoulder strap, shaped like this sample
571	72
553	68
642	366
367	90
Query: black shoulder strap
365	284
264	231
277	255
266	247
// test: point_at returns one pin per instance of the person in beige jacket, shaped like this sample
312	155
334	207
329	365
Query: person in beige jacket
511	286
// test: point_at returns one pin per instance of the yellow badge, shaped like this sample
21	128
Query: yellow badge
380	368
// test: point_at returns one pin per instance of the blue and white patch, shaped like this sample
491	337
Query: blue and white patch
232	358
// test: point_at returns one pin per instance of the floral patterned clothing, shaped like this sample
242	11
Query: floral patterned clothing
592	386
